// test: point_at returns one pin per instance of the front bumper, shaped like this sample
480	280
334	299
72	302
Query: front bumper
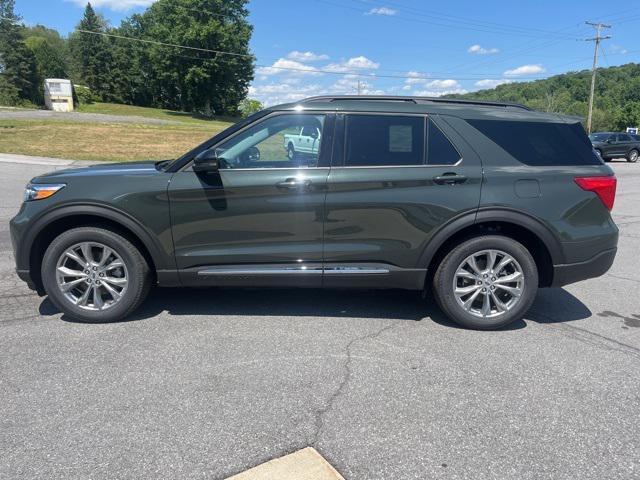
574	272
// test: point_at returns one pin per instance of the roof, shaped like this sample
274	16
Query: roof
468	109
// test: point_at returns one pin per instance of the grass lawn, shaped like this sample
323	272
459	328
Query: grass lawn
92	141
128	110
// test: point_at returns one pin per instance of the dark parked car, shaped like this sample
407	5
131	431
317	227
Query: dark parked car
483	203
610	145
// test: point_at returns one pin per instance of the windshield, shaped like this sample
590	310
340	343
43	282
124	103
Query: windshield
599	137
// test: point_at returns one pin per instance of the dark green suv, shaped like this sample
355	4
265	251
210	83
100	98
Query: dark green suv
482	202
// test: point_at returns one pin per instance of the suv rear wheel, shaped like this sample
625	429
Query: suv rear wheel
95	275
632	156
486	282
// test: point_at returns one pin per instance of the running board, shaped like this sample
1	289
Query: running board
312	275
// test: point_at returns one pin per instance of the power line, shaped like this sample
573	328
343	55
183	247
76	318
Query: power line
597	39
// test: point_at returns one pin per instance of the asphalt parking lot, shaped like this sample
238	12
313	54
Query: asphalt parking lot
207	383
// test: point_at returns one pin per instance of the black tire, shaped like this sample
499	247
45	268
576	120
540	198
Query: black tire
291	152
445	273
139	281
632	156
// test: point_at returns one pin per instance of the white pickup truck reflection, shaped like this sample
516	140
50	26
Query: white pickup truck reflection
306	141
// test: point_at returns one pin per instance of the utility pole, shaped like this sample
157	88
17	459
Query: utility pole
597	39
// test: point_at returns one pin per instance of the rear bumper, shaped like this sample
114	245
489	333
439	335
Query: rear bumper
574	272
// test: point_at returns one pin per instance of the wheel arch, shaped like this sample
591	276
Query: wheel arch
532	233
51	224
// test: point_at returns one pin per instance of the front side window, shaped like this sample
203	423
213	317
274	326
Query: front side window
280	141
384	140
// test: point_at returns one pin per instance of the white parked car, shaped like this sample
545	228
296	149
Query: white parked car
306	141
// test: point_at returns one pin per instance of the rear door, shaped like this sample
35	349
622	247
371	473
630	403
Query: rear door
395	180
259	219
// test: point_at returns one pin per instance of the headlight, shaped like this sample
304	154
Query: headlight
41	191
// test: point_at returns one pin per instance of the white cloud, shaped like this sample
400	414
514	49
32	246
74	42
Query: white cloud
438	93
618	49
119	5
389	12
447	84
525	70
274	93
289	67
354	63
478	50
492	83
306	56
415	78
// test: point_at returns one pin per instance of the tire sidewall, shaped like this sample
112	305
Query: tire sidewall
443	281
629	156
136	275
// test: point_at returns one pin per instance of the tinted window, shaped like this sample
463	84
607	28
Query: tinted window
440	151
599	137
384	140
624	138
275	142
541	143
636	137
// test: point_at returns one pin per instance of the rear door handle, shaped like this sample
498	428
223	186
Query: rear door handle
294	183
449	179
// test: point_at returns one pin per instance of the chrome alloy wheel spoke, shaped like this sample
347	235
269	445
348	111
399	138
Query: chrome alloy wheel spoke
92	276
488	283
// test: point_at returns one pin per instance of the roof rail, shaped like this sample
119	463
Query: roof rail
391	98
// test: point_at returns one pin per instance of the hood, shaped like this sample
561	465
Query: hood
104	169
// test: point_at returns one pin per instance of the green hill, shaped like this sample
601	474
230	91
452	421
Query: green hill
617	103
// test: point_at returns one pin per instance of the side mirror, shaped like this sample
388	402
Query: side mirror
206	161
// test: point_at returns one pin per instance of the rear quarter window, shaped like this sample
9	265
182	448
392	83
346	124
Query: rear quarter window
540	143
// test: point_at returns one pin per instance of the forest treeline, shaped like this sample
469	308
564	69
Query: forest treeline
109	66
617	95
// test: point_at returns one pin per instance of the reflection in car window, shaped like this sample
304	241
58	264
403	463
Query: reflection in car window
281	141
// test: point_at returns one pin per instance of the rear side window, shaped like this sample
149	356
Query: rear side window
396	140
541	143
624	138
384	140
440	151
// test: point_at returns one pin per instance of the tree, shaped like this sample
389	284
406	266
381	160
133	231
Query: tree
17	64
49	50
92	54
628	116
197	80
249	106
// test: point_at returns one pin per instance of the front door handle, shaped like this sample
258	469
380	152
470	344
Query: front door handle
294	183
449	179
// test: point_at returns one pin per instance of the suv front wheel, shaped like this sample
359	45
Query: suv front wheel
486	283
95	275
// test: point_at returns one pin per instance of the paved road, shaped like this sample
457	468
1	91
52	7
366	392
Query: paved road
19	114
206	383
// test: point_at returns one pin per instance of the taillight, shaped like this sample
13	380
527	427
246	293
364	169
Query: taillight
604	187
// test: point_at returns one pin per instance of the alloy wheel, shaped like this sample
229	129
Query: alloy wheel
488	283
91	276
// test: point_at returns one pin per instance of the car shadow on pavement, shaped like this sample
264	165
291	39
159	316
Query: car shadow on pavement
551	305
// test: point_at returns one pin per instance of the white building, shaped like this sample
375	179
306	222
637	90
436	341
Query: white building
58	94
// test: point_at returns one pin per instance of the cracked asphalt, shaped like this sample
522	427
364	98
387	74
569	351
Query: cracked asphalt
207	383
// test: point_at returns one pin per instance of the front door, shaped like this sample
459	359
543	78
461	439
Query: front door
259	219
396	179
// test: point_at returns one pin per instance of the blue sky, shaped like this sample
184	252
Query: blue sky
309	47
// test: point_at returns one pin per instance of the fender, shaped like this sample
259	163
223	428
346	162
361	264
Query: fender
492	214
149	240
